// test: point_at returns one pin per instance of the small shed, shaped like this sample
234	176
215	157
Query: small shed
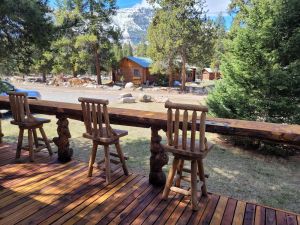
134	69
209	74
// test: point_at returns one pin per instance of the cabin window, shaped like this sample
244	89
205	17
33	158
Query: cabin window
136	73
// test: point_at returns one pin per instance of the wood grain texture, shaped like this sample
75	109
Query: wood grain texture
283	133
47	192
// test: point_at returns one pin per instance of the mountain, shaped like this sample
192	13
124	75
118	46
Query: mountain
134	22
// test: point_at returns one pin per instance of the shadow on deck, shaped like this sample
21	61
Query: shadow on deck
47	192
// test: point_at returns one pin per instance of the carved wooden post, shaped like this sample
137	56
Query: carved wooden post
1	134
157	160
62	141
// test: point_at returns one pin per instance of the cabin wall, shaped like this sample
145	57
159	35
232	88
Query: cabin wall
210	76
127	69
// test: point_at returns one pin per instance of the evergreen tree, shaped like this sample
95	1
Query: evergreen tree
261	65
25	26
180	28
218	46
127	49
141	49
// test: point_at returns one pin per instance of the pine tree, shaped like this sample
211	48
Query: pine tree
25	26
261	65
127	49
141	49
180	28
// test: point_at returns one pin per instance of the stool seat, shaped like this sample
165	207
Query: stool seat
196	154
31	122
105	138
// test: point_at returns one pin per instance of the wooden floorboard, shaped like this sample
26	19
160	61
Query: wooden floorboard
47	192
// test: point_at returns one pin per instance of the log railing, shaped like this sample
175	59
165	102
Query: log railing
288	134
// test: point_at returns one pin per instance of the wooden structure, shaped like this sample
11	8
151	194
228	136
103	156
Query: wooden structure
25	121
134	69
283	133
47	192
183	149
98	129
209	74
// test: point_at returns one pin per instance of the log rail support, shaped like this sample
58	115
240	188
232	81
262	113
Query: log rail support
62	141
157	160
1	134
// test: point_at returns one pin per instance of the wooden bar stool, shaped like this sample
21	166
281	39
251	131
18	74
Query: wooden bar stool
98	129
184	148
23	118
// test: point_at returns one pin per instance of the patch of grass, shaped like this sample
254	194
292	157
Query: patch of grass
233	172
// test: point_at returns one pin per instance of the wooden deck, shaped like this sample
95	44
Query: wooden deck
46	192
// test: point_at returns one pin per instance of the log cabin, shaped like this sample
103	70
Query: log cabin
134	69
209	74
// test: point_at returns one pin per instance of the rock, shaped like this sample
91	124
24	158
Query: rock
125	95
161	99
145	98
129	85
115	87
127	100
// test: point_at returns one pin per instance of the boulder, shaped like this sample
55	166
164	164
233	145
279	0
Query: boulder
125	95
129	85
115	87
145	98
127	100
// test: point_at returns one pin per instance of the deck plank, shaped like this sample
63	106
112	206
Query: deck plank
46	192
260	216
249	214
229	212
239	213
219	212
291	219
210	210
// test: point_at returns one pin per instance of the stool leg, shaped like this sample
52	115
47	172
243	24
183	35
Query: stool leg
202	177
30	144
121	156
36	142
170	179
107	164
179	172
194	185
20	141
92	158
46	140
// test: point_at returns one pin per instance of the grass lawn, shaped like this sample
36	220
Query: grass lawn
233	172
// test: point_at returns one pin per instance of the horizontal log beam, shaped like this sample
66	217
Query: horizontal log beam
283	133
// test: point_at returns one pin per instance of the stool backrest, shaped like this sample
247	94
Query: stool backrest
96	118
177	121
19	106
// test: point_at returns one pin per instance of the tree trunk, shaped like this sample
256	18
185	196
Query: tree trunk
183	72
74	71
170	72
97	65
44	77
